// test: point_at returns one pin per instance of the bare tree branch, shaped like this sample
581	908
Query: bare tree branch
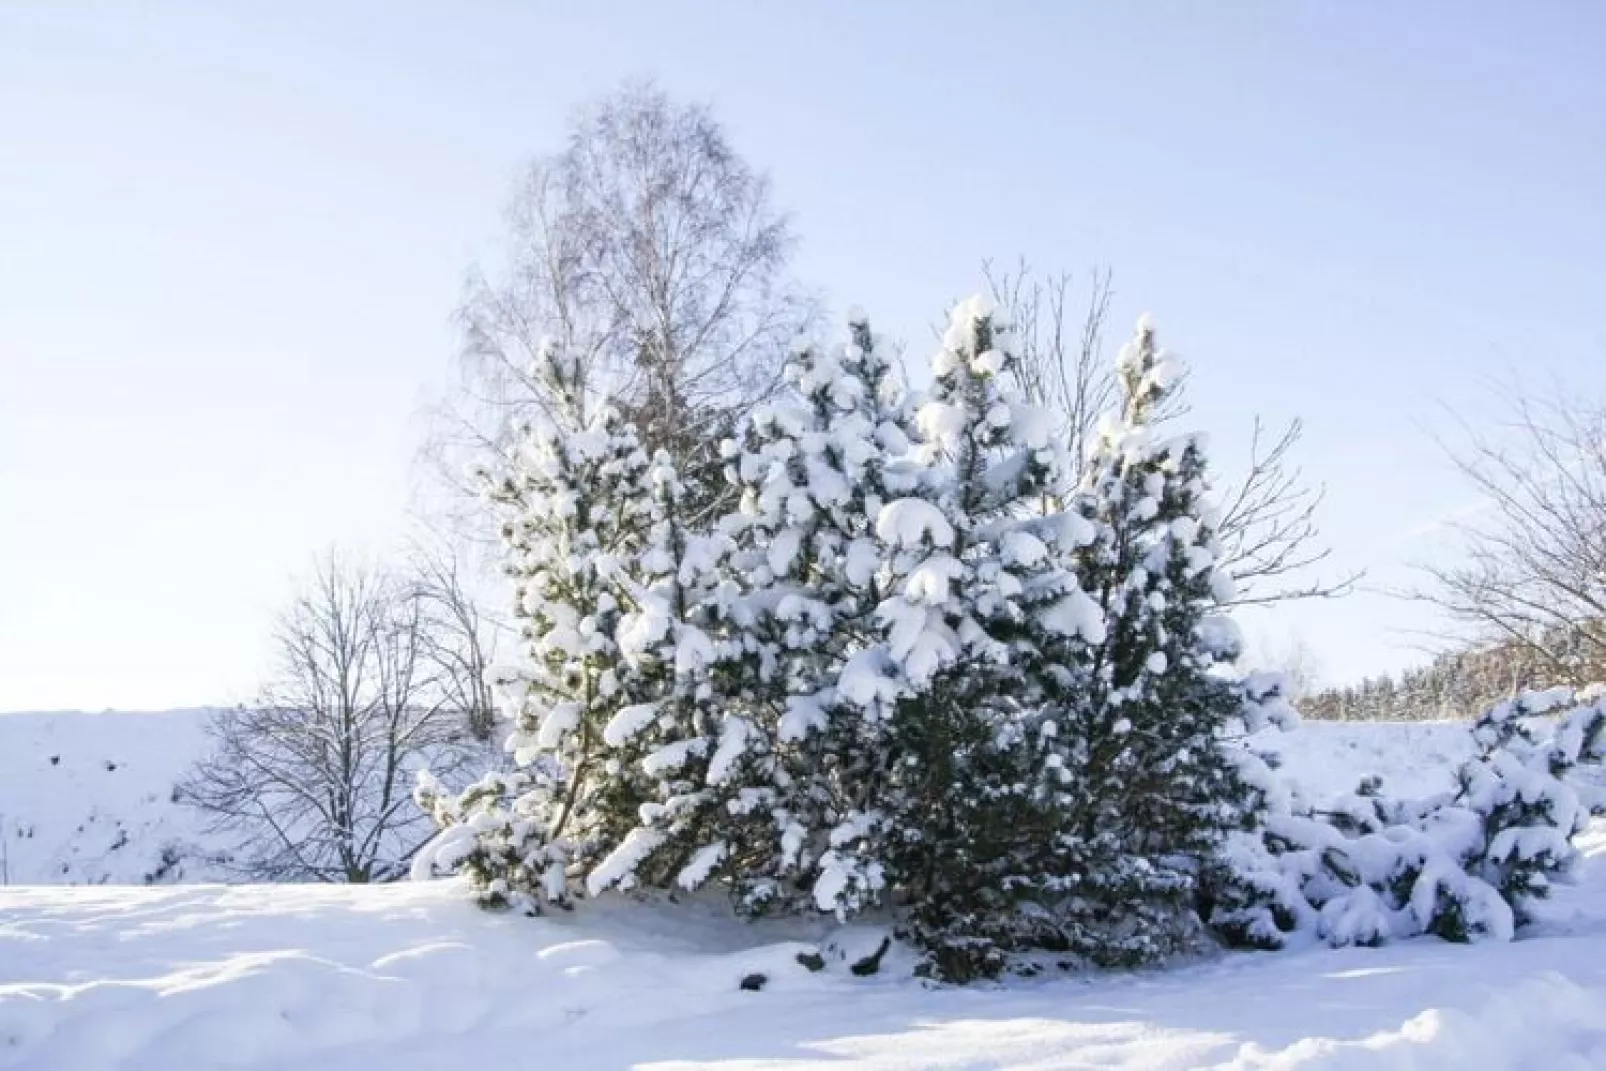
1060	363
460	638
1534	569
1268	531
1268	528
317	777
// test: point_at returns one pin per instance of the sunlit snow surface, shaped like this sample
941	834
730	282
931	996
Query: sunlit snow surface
405	977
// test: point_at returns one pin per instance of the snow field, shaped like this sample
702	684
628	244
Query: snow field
1328	758
413	976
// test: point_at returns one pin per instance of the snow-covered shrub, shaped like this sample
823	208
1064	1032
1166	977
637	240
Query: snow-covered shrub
495	833
1465	865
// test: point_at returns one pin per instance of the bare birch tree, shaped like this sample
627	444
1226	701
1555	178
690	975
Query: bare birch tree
653	253
316	779
1534	570
1061	363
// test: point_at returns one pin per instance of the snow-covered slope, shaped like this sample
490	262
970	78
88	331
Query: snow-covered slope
411	976
87	799
1328	758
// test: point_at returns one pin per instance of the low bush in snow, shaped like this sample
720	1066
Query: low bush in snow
1465	865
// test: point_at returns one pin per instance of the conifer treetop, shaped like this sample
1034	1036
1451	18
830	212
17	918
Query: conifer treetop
1148	373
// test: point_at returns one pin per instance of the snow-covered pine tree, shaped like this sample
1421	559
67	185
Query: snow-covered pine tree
1521	784
576	502
813	469
980	629
1150	791
916	664
668	752
610	704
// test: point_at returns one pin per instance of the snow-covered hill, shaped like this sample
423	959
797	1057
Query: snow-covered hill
87	799
1414	758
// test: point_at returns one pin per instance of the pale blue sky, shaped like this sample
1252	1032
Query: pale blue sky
231	238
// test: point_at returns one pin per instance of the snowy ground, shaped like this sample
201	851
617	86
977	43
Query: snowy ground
405	977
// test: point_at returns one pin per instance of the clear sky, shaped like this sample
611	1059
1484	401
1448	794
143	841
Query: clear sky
232	237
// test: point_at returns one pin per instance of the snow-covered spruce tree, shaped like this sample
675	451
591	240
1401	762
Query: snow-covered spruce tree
982	629
1150	787
813	469
609	704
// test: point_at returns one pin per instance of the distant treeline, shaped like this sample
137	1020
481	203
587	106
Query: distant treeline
1458	684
